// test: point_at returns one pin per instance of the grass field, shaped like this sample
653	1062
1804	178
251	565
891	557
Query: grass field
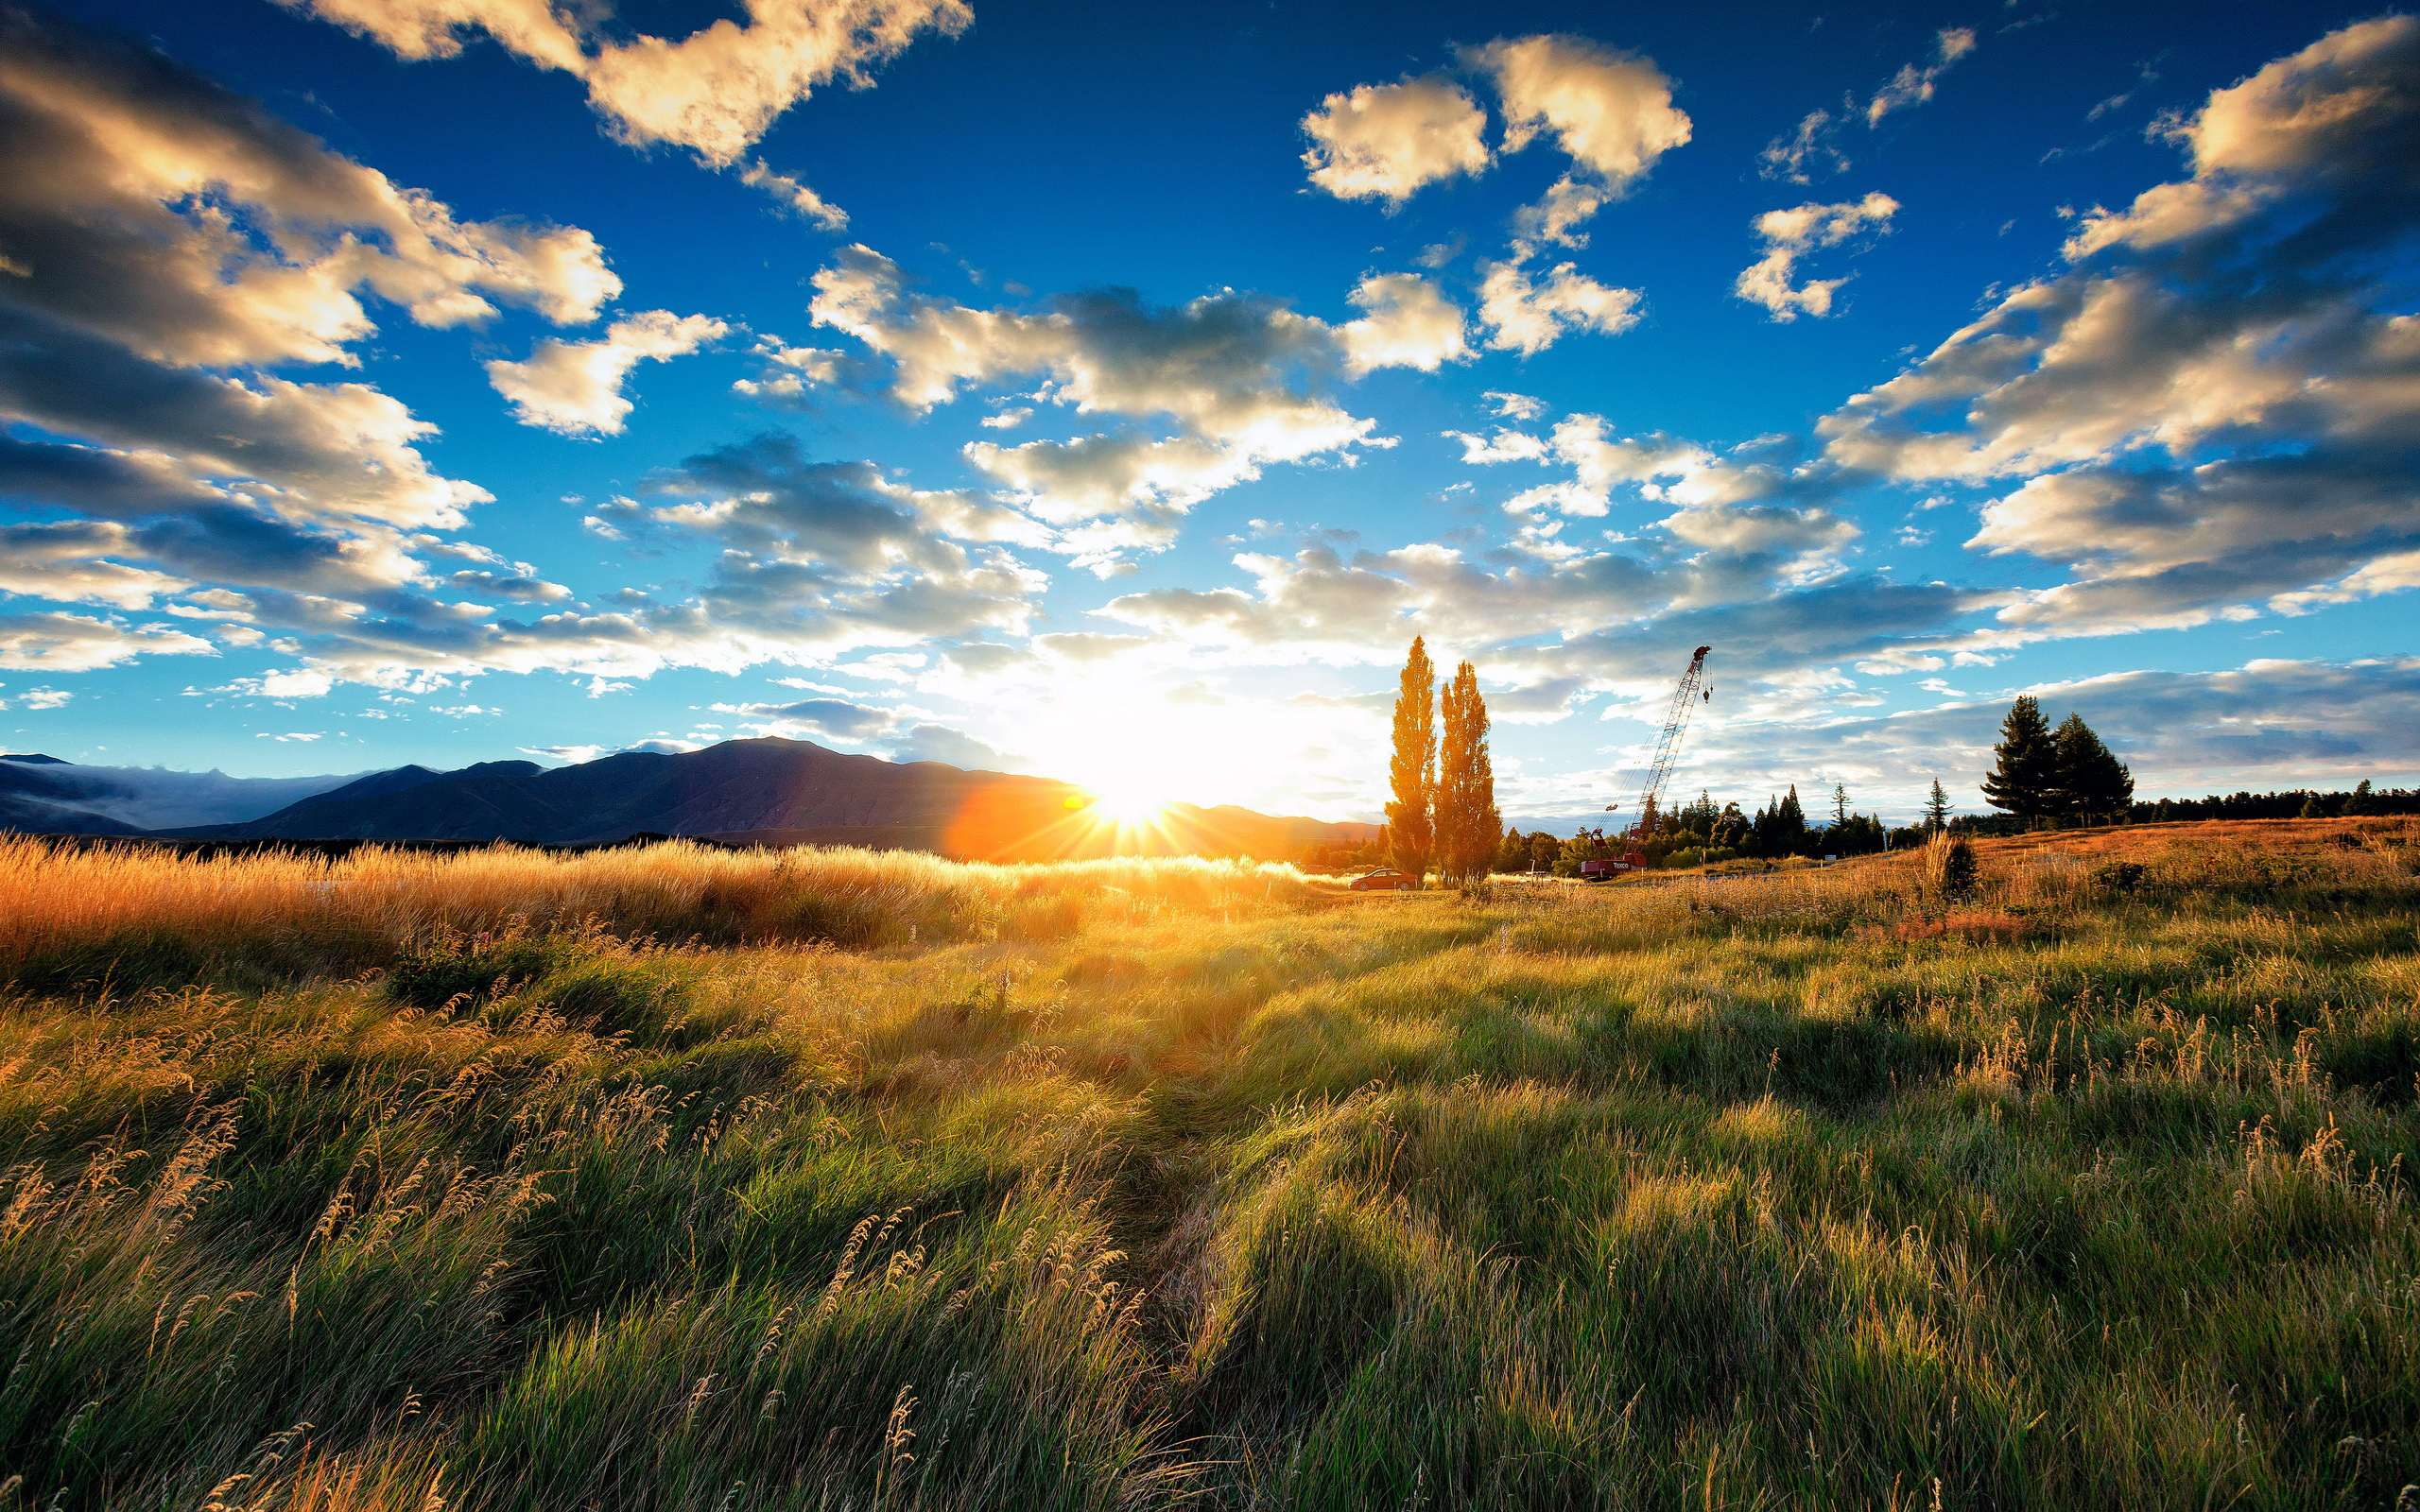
670	1178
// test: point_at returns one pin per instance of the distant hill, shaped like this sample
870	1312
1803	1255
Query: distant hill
48	796
775	792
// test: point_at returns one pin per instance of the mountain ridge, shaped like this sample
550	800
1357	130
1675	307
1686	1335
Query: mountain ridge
766	791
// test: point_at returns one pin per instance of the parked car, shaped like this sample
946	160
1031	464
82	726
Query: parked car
1386	879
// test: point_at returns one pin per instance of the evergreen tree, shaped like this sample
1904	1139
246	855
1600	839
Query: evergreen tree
2359	800
1840	803
2091	779
1780	827
1937	809
2026	780
1468	824
1410	819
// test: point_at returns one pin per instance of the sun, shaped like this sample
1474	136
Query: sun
1127	802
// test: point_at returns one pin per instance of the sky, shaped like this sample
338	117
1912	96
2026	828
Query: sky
1110	392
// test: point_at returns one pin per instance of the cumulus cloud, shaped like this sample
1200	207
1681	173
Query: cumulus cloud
1529	314
1231	373
790	372
161	228
155	209
1611	112
1612	115
575	388
1408	323
832	555
1385	141
715	92
62	562
2218	405
1790	235
1815	142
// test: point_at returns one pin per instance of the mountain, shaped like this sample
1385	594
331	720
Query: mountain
775	792
45	795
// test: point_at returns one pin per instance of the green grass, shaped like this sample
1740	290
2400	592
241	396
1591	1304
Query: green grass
1206	1186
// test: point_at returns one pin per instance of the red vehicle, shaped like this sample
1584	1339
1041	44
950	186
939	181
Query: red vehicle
1386	879
1608	870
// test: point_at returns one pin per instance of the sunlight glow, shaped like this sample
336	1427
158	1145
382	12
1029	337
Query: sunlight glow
1128	803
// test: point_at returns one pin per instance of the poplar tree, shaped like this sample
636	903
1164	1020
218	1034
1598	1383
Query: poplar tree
1411	829
2025	780
1468	828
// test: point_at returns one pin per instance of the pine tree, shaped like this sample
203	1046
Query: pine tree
2091	779
1937	809
1468	824
1411	829
1840	803
2025	780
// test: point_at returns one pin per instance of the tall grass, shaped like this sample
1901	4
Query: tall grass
513	1181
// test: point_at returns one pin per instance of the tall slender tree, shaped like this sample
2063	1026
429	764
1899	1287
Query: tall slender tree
1937	809
1412	836
2025	780
2091	778
1840	803
1468	826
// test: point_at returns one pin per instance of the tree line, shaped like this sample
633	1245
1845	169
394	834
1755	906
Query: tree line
1443	815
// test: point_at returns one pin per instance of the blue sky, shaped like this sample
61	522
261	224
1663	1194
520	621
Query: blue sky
1112	393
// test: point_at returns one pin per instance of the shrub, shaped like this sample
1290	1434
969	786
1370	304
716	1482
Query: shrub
1949	868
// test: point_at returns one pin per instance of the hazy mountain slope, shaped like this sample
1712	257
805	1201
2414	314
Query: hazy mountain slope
133	798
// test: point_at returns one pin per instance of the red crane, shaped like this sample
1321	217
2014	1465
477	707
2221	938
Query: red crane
1686	699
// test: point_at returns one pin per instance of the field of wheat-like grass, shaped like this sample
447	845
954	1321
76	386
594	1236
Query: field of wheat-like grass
675	1178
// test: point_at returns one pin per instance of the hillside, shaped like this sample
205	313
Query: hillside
776	792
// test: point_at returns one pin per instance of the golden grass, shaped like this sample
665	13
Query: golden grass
1153	1184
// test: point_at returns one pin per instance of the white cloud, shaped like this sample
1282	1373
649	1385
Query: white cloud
1407	324
2218	405
1385	141
77	643
1790	235
153	209
1529	315
575	388
1515	406
715	92
1611	112
794	196
62	562
1230	371
44	698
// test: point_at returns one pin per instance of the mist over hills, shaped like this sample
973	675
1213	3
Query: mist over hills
765	791
44	794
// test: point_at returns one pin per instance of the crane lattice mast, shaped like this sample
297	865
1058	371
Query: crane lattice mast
1667	744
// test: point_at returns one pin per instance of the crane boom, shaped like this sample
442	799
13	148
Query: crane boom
1667	744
